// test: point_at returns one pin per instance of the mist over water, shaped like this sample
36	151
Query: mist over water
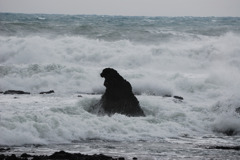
196	58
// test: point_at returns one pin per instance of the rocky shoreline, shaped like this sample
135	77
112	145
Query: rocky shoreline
23	92
61	155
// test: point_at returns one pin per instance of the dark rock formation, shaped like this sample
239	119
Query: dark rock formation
58	156
70	156
15	92
178	97
48	92
118	97
12	157
225	147
237	110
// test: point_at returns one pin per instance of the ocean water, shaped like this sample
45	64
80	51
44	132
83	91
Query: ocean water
197	58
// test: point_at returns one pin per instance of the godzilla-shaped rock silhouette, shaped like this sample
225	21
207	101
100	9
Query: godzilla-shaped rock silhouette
118	97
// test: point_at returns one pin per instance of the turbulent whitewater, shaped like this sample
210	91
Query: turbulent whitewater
197	58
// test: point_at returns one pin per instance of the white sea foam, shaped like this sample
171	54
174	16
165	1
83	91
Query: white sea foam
61	119
47	119
40	63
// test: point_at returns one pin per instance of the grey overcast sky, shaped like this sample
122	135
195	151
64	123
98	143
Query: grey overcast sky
125	7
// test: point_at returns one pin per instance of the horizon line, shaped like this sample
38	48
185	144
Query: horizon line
113	15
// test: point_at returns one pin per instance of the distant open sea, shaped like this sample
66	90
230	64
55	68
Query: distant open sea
197	58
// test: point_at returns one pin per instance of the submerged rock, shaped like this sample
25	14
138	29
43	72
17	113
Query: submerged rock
178	97
167	95
230	132
48	92
118	97
15	92
237	110
225	147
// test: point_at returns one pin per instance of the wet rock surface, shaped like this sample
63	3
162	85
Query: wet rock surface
118	97
15	92
61	155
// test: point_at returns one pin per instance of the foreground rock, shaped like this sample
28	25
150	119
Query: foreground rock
62	155
15	92
118	97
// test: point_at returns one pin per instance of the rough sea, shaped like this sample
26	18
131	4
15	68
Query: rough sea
197	58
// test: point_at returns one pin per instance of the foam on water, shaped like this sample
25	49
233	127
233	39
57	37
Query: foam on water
186	65
53	119
58	119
